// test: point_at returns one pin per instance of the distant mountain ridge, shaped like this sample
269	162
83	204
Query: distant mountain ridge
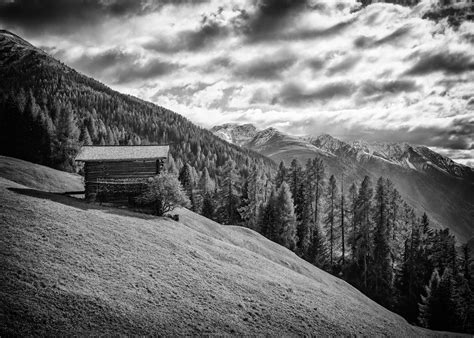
408	156
427	180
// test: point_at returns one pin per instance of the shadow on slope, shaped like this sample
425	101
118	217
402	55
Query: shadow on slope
76	203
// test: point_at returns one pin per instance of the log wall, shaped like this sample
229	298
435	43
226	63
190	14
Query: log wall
96	173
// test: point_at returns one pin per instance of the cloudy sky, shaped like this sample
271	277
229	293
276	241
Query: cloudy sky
303	66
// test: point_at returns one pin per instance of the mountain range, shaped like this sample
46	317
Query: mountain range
428	181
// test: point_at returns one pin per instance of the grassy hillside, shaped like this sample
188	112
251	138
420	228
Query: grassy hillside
38	176
71	267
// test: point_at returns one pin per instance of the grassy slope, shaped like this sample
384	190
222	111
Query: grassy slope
72	267
39	177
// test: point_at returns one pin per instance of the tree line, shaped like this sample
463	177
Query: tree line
365	234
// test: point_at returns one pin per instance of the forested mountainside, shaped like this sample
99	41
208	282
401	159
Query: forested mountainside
428	181
48	110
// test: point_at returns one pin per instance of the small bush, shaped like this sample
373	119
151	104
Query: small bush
164	193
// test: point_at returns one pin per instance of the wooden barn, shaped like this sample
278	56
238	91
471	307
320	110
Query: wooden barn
119	173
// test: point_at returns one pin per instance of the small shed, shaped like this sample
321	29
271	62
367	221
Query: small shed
119	173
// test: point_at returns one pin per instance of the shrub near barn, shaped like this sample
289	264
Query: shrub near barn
164	193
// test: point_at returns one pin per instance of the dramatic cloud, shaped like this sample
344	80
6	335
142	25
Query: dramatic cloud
103	61
444	61
152	69
380	72
211	27
271	15
118	66
370	91
43	14
295	94
344	65
266	67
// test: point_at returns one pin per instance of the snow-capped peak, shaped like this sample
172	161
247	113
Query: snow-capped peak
235	133
408	156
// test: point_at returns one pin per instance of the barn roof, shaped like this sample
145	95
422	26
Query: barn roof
121	153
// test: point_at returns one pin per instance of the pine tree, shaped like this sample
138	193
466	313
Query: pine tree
364	229
464	294
305	223
229	196
319	249
295	179
186	179
342	226
38	132
398	229
286	219
281	175
442	307
425	225
84	137
171	166
268	217
382	266
10	126
208	207
67	140
110	136
412	276
443	251
47	134
196	201
318	172
352	207
425	260
466	264
206	185
330	219
430	307
252	198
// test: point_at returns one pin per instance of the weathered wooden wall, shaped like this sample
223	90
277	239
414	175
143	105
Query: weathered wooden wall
118	171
